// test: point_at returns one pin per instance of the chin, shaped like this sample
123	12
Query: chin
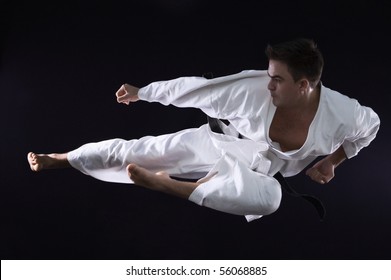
275	102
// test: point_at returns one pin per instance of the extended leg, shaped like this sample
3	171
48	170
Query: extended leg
186	154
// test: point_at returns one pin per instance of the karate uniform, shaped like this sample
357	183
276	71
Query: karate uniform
240	169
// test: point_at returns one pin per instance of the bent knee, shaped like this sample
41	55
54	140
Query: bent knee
271	197
272	206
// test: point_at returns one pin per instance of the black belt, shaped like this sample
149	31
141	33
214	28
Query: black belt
215	127
316	202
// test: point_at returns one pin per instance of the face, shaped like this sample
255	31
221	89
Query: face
283	89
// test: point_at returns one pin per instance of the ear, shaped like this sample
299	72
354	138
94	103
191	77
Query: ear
304	85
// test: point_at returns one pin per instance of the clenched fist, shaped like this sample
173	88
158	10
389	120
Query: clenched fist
127	94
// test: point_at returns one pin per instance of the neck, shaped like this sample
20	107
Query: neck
307	104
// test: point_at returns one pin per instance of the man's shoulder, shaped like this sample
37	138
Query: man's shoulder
336	98
254	73
338	106
244	74
247	73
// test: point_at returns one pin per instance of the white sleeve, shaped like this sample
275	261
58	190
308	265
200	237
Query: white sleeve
209	95
236	189
366	124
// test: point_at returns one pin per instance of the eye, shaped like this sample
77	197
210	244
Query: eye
277	80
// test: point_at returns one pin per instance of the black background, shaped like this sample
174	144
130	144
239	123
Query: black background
61	63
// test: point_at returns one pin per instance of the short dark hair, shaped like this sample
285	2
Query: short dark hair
302	56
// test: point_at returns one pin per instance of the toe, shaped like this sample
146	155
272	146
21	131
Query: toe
32	160
131	167
30	157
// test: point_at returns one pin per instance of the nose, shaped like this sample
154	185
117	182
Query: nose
271	85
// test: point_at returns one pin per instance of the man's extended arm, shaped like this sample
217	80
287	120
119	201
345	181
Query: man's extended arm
221	97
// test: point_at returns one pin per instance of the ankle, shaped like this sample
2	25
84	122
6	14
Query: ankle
55	160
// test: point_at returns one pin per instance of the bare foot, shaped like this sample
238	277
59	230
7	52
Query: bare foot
37	162
145	178
40	162
160	181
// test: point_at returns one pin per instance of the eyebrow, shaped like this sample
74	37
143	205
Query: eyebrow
274	77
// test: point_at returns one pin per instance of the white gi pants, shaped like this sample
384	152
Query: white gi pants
240	185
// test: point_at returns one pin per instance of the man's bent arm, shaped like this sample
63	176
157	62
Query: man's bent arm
323	171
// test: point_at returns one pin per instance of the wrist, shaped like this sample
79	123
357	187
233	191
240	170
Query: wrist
337	157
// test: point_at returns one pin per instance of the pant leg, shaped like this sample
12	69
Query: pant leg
237	189
188	153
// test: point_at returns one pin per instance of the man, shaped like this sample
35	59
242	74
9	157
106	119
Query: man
280	120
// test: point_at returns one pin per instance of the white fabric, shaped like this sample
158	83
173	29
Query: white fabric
245	101
177	153
241	169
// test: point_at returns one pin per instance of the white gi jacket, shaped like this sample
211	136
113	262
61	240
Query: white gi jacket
245	101
241	170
